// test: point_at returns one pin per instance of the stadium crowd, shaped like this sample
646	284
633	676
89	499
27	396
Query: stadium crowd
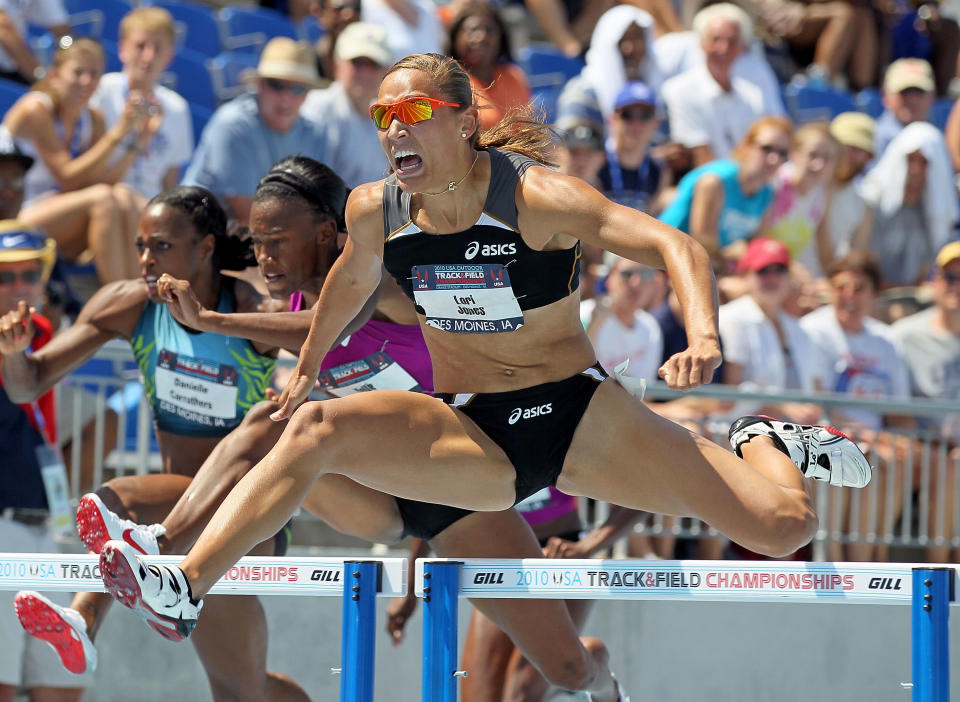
811	147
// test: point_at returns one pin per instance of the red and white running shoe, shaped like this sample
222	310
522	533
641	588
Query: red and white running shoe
61	627
822	453
97	525
158	594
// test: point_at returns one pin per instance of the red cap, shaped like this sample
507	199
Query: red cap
761	253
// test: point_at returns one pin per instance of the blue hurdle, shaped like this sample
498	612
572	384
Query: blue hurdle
929	590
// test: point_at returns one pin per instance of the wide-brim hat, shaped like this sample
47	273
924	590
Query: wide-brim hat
285	59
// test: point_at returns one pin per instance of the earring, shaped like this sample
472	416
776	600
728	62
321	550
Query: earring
463	135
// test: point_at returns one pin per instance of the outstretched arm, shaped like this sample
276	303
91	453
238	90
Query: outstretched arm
353	278
555	209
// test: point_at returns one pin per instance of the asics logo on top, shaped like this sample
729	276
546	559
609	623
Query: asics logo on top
489	250
529	413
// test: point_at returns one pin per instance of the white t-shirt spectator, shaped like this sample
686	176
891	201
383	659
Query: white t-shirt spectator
46	13
614	342
423	38
702	113
354	152
867	364
172	146
750	340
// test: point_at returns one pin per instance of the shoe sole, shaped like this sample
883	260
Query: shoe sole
91	525
120	580
42	621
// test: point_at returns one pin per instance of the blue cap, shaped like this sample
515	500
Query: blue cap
635	93
21	242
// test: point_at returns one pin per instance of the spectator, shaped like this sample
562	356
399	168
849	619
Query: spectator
912	193
709	107
26	258
763	346
17	61
478	39
908	95
843	36
798	216
619	325
72	192
361	60
332	16
725	201
246	136
861	359
581	152
146	50
849	219
631	176
412	26
620	52
930	340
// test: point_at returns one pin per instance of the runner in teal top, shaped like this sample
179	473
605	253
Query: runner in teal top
198	383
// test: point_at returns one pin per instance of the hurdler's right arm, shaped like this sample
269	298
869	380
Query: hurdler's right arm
111	313
353	278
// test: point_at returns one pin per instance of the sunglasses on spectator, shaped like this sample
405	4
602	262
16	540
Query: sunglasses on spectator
364	62
950	278
282	86
645	274
768	149
409	111
28	277
14	183
636	114
773	269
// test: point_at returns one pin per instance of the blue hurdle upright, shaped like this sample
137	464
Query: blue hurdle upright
929	590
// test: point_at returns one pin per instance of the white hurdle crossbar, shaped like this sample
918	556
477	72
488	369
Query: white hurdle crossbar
358	581
929	589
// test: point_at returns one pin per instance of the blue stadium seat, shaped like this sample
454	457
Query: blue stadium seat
202	29
200	116
546	96
244	22
870	101
807	103
112	10
227	69
541	59
309	30
940	112
10	92
189	76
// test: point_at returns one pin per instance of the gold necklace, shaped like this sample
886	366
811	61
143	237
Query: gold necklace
452	185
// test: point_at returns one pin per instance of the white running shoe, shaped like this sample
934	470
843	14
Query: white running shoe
61	627
158	594
822	453
97	525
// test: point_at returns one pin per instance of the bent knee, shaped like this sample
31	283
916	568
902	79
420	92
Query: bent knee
790	529
569	672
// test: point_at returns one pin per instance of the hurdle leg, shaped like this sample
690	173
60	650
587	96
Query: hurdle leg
932	593
361	580
441	601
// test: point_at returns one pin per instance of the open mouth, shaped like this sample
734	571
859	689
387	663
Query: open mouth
273	278
151	281
407	162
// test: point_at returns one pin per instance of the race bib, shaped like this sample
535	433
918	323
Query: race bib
375	372
191	387
467	298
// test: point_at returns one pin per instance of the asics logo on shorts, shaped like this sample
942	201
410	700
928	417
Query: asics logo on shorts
489	250
529	413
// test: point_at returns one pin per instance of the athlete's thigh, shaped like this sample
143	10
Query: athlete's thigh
626	454
355	509
541	629
410	445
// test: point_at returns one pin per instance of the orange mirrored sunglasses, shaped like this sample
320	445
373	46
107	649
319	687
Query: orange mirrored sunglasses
408	111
